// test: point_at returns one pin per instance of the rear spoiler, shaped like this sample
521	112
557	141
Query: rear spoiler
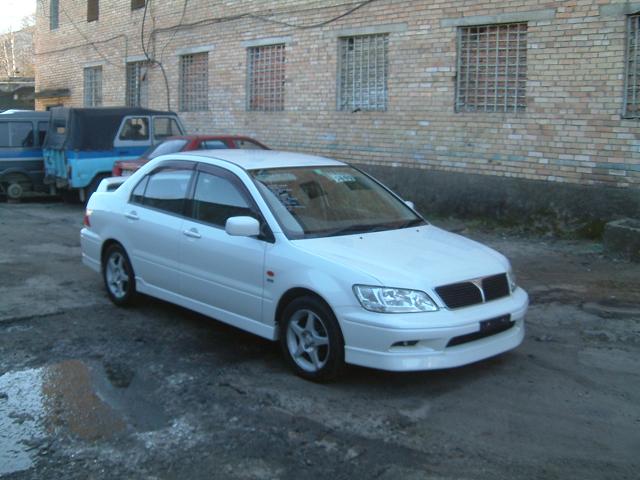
110	184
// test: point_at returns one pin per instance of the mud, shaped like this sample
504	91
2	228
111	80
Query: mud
88	390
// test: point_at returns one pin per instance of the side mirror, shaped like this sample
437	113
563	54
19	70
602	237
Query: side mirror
410	204
242	227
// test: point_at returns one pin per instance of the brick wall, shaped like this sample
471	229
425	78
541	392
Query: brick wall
571	131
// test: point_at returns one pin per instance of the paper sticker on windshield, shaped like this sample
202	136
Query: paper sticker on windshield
338	177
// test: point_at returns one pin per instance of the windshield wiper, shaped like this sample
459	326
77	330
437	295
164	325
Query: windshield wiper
412	223
359	228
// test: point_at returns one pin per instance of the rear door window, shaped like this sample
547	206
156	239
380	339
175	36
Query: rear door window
247	144
166	189
213	145
164	127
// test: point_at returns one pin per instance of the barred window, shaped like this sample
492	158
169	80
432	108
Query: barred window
93	86
265	78
53	14
363	68
194	82
631	107
137	87
492	68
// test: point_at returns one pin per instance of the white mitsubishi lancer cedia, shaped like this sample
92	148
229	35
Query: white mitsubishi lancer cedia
306	251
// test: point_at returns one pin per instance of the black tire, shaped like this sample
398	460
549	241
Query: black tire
311	315
118	276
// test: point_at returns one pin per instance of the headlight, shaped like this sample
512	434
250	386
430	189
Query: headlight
393	300
512	281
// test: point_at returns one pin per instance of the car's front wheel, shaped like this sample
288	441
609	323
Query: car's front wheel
311	339
118	275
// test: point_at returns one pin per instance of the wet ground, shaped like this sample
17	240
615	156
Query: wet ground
88	390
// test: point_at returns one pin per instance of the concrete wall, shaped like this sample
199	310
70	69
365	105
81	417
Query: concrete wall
571	133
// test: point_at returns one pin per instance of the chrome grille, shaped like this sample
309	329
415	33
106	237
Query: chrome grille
464	294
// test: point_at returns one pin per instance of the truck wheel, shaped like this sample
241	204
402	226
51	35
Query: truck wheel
14	185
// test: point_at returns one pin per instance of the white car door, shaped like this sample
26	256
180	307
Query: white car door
154	217
223	272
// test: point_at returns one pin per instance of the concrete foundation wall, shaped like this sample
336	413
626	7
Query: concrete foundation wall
541	205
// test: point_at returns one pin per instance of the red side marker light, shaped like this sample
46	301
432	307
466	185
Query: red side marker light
270	273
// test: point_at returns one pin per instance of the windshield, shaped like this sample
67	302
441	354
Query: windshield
327	201
168	146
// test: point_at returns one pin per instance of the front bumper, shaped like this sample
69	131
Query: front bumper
374	339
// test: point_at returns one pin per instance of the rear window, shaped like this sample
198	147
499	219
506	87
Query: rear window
166	190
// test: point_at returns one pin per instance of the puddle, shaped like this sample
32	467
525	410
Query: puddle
86	401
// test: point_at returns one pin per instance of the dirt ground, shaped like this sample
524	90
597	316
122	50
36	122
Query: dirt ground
88	390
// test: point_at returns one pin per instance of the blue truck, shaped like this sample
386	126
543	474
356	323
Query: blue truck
82	144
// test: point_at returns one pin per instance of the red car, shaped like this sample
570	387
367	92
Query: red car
185	143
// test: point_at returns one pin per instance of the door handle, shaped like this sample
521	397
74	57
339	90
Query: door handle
192	233
132	215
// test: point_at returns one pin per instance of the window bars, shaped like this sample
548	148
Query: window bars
492	68
194	82
363	69
631	108
265	78
93	86
137	88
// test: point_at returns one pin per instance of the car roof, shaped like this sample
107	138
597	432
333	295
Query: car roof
256	159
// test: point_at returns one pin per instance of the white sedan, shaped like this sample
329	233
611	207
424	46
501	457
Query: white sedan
306	251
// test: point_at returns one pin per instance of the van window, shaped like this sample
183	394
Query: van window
4	134
16	134
164	127
136	128
42	131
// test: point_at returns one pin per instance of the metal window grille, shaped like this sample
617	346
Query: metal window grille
93	10
492	68
93	86
265	78
363	70
53	14
137	88
631	107
194	82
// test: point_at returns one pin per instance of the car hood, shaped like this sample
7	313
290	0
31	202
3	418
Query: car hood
422	257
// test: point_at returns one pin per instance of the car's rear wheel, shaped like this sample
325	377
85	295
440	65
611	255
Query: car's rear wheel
311	339
118	276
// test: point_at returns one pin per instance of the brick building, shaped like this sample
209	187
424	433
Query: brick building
508	108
